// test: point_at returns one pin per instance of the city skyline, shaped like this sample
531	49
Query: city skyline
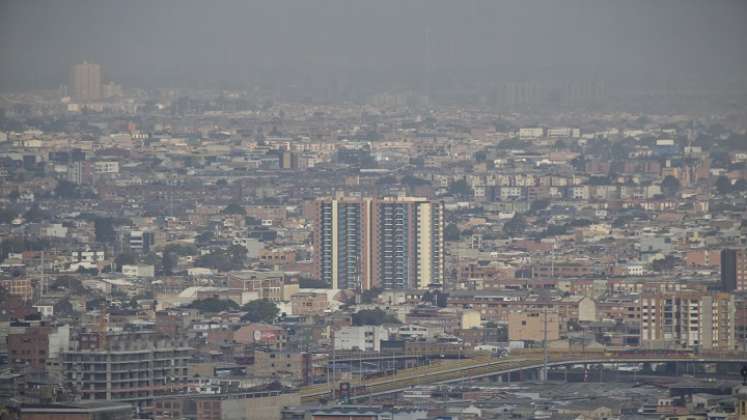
624	44
381	210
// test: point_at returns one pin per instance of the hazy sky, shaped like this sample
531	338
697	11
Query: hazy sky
312	42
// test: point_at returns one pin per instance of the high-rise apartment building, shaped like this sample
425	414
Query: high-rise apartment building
391	243
85	82
689	320
733	270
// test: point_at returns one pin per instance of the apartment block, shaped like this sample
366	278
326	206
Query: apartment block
391	243
689	320
18	287
132	366
734	270
365	338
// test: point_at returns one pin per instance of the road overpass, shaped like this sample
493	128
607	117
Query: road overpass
451	371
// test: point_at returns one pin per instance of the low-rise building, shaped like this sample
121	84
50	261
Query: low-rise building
533	326
364	338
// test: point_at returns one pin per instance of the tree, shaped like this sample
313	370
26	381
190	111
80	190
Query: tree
664	264
217	260
124	259
7	216
180	249
213	304
579	223
261	310
370	295
413	181
16	244
516	226
312	284
555	230
68	283
373	317
503	126
169	260
723	185
234	208
205	237
539	205
670	186
619	151
513	143
451	232
386	180
63	307
460	188
95	304
238	256
35	214
224	260
600	180
66	189
740	186
104	228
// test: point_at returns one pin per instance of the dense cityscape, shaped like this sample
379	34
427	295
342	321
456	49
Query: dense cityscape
524	249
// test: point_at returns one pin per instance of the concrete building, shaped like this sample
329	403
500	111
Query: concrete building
234	406
85	82
138	270
133	366
733	270
34	346
688	319
391	243
106	167
18	287
531	326
266	336
365	338
274	286
295	367
137	240
530	133
309	303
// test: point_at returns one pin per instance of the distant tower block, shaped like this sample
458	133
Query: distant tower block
85	82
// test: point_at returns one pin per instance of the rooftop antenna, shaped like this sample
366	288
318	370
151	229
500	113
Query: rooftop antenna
544	345
552	260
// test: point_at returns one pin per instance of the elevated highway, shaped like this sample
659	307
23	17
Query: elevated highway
451	371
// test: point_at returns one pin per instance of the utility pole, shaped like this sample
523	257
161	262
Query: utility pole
544	345
552	260
334	369
43	283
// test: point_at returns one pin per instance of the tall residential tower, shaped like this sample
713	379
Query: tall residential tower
390	243
734	270
85	82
